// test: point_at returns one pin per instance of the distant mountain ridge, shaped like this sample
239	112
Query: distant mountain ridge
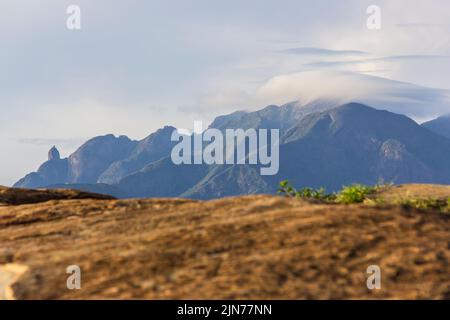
440	125
84	166
152	148
321	145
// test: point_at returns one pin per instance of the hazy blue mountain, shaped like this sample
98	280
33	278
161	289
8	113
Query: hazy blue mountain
88	163
229	180
108	160
358	144
50	172
84	166
163	179
440	125
320	146
155	147
271	117
99	188
349	144
54	170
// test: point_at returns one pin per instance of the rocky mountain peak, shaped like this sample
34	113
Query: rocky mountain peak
53	154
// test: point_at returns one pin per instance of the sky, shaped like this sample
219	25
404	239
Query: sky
135	66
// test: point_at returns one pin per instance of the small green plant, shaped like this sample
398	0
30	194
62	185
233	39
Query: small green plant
356	193
288	190
317	194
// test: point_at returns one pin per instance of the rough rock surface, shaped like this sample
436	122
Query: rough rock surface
16	196
257	247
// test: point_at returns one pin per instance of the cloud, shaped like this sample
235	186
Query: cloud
418	102
323	52
421	25
397	58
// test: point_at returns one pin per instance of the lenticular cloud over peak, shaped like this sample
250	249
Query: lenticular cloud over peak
412	100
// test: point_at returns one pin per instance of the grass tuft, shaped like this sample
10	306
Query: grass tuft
356	193
288	190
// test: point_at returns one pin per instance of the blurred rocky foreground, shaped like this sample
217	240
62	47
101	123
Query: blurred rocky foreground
255	247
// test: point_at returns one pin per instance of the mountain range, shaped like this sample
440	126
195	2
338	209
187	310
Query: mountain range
321	145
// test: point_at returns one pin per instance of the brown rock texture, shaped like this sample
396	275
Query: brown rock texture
414	191
256	247
14	196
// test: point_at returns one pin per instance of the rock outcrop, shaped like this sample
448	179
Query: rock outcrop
13	196
53	171
53	154
258	247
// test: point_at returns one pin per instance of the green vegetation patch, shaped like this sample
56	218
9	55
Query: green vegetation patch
288	190
356	193
350	194
359	193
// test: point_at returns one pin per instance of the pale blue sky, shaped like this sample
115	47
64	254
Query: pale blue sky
138	65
